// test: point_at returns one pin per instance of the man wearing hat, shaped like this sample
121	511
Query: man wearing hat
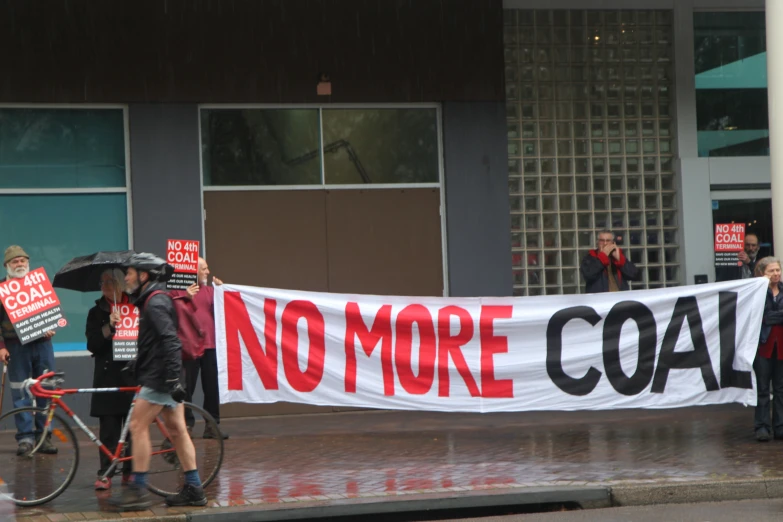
29	360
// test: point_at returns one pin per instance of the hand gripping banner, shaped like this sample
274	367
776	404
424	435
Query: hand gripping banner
664	348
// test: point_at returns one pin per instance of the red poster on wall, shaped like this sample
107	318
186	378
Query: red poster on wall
32	305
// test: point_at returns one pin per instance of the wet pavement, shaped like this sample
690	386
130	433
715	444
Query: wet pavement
284	460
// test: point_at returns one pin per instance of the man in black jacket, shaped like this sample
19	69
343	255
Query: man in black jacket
157	370
606	269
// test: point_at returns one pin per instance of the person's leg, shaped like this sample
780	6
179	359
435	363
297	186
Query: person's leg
762	368
143	415
174	419
209	383
192	493
20	367
42	362
191	370
777	398
109	434
136	497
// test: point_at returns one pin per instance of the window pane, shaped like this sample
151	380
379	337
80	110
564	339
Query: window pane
731	83
62	148
260	147
103	226
380	146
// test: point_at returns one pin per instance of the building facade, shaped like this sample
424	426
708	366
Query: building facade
465	149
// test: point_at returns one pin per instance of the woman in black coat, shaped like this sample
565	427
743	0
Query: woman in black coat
111	408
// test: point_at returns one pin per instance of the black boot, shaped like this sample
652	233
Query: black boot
47	448
133	498
209	433
188	496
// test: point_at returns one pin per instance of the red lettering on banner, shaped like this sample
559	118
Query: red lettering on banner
368	340
450	345
421	384
238	323
308	380
490	345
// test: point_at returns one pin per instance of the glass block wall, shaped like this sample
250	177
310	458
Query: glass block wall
589	97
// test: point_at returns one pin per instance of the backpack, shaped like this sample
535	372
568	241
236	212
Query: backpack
190	333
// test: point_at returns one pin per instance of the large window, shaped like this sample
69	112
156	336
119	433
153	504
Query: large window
343	146
77	157
731	84
590	137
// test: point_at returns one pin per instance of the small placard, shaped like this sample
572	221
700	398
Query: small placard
182	254
126	334
32	305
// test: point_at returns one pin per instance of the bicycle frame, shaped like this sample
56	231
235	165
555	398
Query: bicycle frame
37	390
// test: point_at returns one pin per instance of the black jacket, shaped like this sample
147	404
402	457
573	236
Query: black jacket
159	357
773	313
594	267
107	372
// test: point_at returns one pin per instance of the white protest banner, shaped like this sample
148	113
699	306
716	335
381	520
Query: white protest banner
663	348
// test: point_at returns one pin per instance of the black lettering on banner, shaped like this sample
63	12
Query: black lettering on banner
727	324
613	325
699	357
554	351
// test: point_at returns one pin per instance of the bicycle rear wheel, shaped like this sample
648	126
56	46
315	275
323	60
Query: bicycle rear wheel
166	476
31	480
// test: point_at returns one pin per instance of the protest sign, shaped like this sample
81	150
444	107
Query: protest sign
729	241
183	256
126	334
32	305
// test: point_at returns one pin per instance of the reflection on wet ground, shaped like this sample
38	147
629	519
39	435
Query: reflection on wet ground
365	454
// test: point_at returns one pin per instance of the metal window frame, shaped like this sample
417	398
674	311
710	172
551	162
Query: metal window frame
440	185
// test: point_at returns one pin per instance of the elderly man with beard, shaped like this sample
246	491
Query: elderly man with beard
29	360
203	297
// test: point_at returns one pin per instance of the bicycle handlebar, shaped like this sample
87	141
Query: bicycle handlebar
34	387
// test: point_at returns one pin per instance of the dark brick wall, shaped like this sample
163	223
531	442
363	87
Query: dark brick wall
267	51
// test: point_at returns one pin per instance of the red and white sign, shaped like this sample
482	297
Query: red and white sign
661	348
730	237
182	254
124	342
31	305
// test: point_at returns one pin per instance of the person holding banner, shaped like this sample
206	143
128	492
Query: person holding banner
606	269
110	408
203	297
29	360
768	365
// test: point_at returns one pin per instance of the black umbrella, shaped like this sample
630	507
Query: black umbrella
83	274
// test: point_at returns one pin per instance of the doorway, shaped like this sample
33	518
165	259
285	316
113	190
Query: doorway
756	213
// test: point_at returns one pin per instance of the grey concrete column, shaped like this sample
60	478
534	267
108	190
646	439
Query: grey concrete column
165	175
478	221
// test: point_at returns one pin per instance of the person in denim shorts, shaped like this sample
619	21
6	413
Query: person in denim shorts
158	367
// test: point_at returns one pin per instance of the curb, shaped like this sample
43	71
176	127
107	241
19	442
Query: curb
598	496
692	492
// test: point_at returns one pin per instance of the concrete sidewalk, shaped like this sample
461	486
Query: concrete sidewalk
304	467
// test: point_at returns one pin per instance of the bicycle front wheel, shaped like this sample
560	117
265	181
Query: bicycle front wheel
166	476
37	478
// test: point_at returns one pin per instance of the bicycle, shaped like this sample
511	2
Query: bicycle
36	478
